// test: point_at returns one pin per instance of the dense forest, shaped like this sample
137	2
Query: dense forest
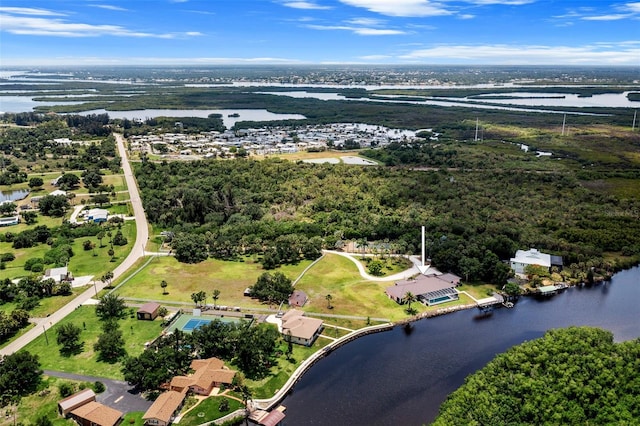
574	376
474	219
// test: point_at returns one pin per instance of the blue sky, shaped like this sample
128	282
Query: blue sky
181	32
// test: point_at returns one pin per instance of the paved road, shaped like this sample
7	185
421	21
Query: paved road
142	235
118	394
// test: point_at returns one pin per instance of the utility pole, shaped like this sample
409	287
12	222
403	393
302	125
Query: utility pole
633	126
564	120
476	138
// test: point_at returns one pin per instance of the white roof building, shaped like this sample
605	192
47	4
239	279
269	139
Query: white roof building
524	258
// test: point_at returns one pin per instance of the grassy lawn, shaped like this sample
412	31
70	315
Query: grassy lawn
479	291
392	265
133	418
351	294
135	334
93	262
268	386
48	305
231	278
44	402
208	410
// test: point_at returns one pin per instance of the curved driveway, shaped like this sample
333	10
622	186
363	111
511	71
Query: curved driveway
395	277
142	235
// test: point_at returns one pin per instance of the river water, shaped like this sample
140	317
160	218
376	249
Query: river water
400	378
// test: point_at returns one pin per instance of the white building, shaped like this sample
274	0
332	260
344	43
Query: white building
524	258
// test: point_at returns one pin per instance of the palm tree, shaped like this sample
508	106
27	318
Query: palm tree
164	285
363	244
409	298
215	296
247	395
329	299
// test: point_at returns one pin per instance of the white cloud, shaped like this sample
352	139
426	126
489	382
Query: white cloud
110	7
48	26
374	57
306	5
466	16
401	8
502	2
357	30
617	54
612	17
69	60
632	7
368	22
29	11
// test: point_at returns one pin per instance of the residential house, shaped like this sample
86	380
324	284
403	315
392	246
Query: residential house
97	215
299	328
74	401
95	414
57	192
430	289
164	408
524	258
148	311
59	275
208	373
8	221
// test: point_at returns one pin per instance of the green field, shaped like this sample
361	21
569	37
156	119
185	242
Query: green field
135	333
231	278
93	262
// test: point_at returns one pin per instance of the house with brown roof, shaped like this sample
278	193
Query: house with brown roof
70	403
299	328
164	408
430	289
95	414
148	311
208	373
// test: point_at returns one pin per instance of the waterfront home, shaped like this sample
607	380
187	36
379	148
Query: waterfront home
429	289
208	373
299	328
164	408
524	258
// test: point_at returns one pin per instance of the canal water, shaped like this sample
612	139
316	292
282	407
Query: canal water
401	378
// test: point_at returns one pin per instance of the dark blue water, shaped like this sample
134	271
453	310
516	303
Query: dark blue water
396	378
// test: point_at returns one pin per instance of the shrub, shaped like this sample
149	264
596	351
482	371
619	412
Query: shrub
66	389
99	387
7	257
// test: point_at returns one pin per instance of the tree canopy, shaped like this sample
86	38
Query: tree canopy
572	376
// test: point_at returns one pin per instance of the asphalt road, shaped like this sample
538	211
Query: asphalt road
118	394
142	236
